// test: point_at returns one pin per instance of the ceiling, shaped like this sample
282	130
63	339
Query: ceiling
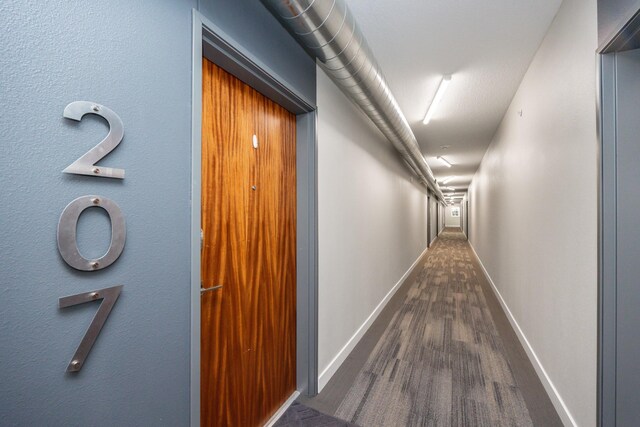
485	45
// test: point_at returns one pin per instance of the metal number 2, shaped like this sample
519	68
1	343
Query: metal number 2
85	165
109	296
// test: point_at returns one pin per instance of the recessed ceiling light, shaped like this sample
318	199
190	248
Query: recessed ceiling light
436	99
443	161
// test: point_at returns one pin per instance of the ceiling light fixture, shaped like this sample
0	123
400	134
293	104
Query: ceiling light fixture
448	179
443	161
436	99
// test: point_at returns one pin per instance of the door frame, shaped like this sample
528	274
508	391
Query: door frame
466	217
625	37
607	201
211	42
428	219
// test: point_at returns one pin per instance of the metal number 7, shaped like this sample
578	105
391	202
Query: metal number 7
109	297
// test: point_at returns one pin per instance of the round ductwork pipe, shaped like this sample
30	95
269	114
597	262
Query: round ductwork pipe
328	31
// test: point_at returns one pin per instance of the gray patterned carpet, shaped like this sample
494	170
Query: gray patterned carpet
298	415
441	361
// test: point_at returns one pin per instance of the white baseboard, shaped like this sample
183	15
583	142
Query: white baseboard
275	417
337	361
551	390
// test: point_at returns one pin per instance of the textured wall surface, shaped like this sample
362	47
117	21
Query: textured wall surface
533	207
134	57
372	221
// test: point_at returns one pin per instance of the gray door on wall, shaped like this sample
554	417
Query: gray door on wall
620	240
628	238
428	220
433	218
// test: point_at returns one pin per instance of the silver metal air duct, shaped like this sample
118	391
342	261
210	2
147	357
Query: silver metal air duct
328	30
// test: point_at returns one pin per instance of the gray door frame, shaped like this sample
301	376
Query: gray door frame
210	42
607	244
627	37
428	219
466	218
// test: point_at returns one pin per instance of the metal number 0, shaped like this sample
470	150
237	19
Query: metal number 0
67	242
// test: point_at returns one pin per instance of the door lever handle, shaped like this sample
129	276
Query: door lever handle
213	288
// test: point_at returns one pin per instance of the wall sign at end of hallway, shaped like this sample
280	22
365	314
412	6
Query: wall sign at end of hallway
86	164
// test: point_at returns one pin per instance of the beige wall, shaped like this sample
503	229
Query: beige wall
372	224
534	214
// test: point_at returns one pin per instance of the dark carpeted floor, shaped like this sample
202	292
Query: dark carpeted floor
298	415
441	361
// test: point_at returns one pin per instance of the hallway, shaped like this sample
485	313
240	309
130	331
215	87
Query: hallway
447	357
385	212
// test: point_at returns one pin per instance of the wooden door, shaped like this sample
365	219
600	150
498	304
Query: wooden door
248	325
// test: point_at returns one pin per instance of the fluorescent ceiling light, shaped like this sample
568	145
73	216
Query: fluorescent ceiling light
436	99
443	161
449	188
450	178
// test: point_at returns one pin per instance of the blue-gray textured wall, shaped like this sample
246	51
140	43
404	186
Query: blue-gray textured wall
134	57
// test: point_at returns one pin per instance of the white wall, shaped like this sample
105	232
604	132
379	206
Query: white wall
452	221
372	224
534	214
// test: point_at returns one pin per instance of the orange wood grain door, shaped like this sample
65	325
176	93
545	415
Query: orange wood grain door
248	325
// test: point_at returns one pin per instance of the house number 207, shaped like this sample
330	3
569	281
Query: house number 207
67	239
